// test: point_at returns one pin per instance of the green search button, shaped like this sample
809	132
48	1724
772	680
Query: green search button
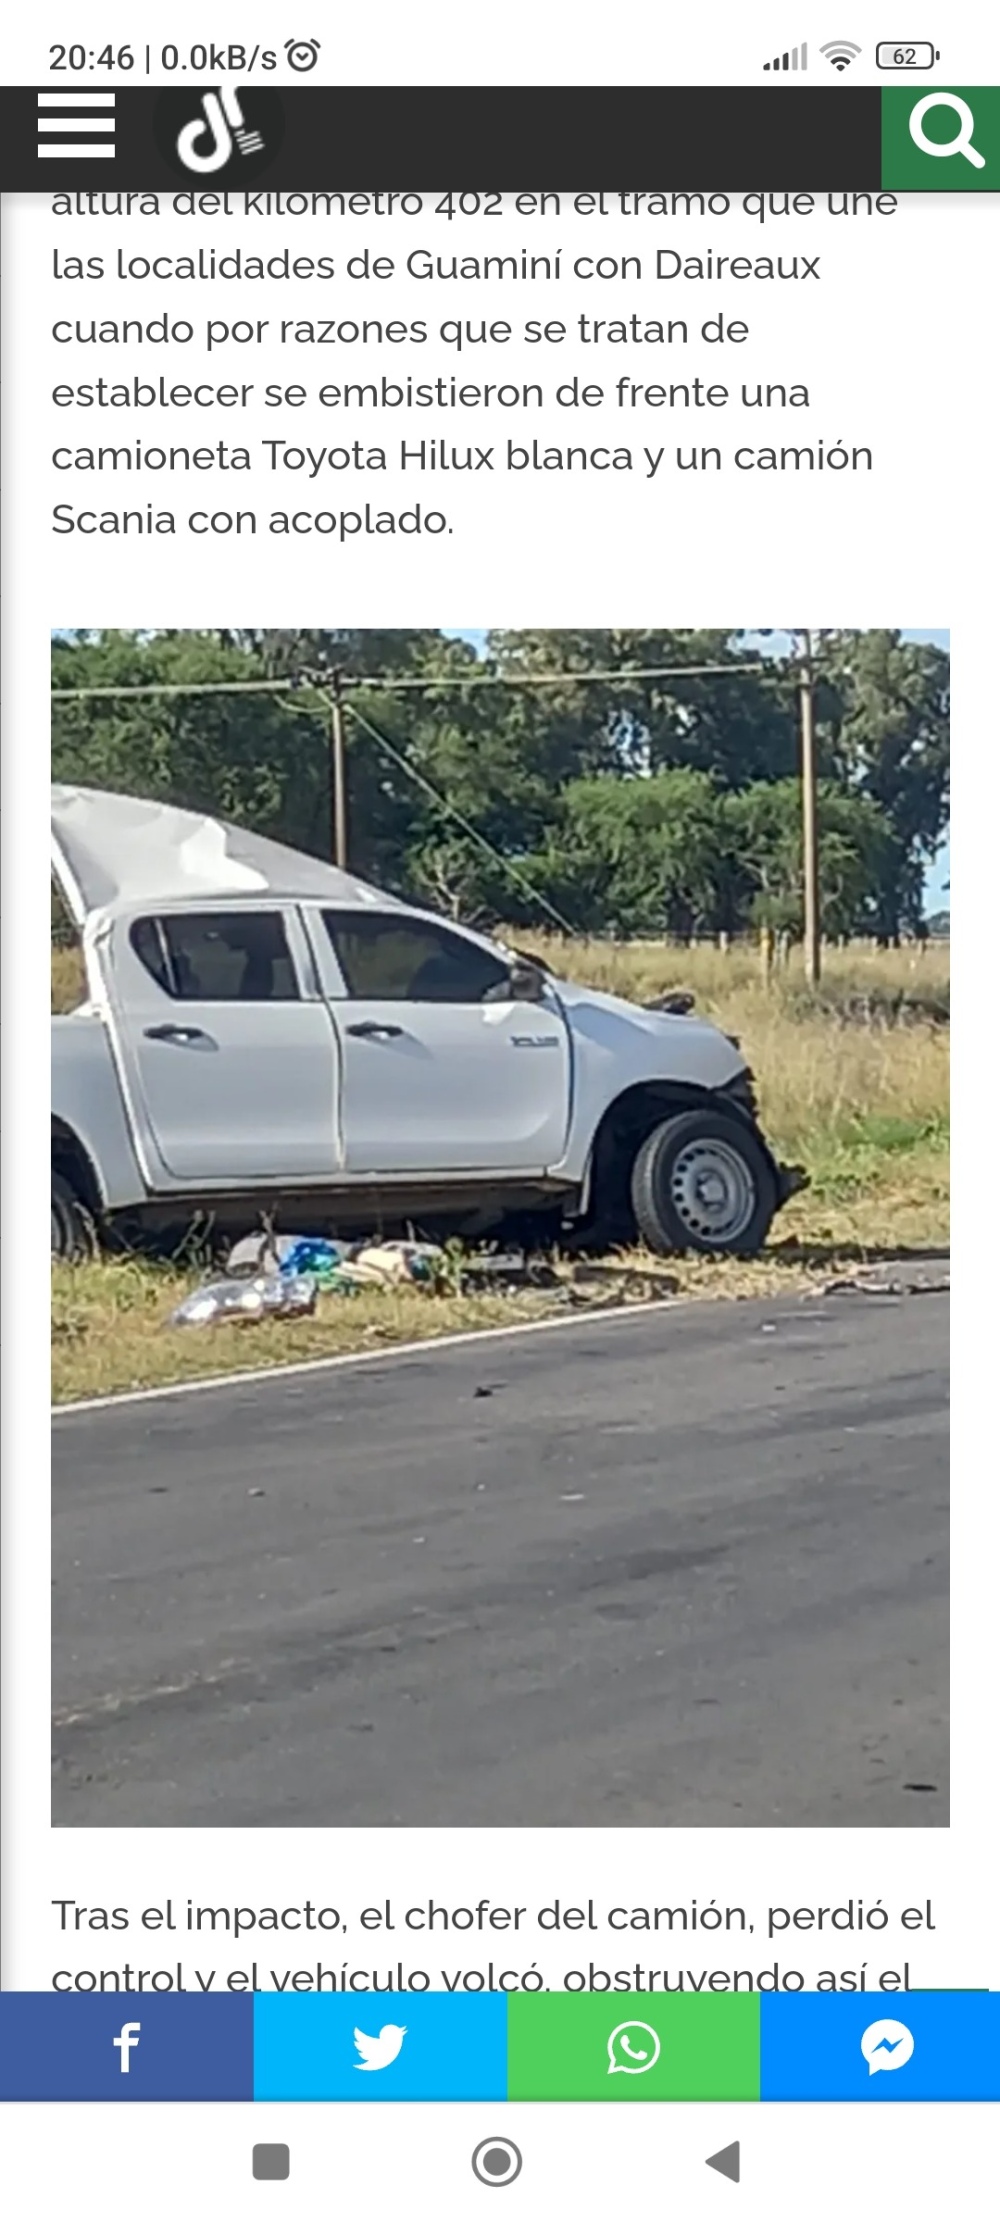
944	141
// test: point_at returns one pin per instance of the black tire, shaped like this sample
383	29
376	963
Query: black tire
701	1181
73	1234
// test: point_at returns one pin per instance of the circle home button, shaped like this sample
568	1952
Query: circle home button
496	2161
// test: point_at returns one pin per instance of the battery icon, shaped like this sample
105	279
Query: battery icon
906	54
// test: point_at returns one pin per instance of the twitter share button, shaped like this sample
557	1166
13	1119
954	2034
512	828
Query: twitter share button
380	2047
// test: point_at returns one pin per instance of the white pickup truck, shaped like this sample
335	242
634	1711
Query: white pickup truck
265	1033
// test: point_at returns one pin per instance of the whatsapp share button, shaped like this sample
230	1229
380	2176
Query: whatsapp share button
578	2046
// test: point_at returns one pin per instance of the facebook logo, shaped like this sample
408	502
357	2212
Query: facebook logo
122	2046
126	2041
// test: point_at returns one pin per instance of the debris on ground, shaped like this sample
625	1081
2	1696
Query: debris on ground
393	1264
340	1267
605	1285
283	1276
287	1254
506	1273
899	1283
268	1296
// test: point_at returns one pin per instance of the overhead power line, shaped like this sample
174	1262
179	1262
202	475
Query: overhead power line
391	685
322	682
513	870
193	686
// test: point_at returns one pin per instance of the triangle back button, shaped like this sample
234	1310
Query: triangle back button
726	2162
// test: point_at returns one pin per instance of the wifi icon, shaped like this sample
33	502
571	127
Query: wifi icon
840	53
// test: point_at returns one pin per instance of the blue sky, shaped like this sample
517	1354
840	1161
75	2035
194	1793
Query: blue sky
935	891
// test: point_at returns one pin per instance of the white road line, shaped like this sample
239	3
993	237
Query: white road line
365	1357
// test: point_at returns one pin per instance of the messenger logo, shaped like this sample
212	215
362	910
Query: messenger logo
887	2044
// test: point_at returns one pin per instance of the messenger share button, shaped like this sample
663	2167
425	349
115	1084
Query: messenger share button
845	2045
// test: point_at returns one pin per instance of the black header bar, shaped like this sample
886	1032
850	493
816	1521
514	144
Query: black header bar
507	139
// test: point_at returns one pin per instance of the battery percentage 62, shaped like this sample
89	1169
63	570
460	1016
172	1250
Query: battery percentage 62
906	54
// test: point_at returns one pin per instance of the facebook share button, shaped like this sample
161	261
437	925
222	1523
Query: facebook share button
125	2045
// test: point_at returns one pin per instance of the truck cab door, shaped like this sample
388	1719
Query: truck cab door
226	1051
435	1079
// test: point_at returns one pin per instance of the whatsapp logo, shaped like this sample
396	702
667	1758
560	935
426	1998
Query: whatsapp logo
943	141
633	2048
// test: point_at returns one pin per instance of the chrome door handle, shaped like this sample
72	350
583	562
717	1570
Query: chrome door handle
180	1034
369	1030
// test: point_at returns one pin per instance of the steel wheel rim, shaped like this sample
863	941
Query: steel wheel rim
712	1191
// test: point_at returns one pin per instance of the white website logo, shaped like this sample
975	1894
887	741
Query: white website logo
221	123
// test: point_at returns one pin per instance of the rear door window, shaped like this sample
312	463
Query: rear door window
218	956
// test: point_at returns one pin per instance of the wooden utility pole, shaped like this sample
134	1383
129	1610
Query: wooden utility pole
338	775
810	838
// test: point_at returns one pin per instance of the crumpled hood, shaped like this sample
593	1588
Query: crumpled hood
112	851
698	1049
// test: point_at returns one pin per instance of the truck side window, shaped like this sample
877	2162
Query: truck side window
218	956
408	960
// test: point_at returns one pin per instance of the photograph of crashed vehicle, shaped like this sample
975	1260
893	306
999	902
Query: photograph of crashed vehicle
451	1427
264	1033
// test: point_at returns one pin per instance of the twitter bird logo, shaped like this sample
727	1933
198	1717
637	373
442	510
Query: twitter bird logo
380	2051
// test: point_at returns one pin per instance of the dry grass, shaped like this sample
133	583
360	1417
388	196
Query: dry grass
68	983
644	968
109	1332
865	1107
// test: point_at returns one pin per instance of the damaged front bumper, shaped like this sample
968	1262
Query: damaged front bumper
741	1090
791	1181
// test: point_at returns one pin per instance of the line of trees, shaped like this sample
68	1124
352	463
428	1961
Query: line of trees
635	806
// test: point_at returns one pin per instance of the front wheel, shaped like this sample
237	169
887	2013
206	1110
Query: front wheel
702	1182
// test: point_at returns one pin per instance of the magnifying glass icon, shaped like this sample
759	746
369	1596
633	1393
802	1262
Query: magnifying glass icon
962	143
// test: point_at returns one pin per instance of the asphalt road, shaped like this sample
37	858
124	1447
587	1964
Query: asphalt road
675	1569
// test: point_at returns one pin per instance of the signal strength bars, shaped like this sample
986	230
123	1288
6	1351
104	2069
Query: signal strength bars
797	57
85	126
